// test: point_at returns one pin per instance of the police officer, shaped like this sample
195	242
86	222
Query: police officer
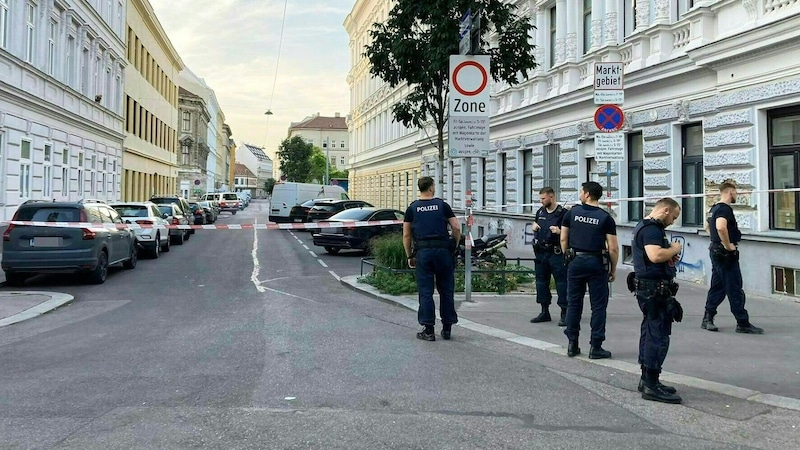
549	258
654	259
726	276
425	224
589	239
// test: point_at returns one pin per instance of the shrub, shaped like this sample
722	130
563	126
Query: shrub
388	251
390	282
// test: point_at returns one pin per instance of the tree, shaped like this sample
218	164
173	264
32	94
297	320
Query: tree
415	44
317	165
294	159
268	185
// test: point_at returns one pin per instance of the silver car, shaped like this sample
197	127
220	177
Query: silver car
175	216
152	240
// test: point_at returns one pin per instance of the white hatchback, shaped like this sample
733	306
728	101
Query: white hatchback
152	240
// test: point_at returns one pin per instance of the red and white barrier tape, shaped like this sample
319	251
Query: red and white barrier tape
238	226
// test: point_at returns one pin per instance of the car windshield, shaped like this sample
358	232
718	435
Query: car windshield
352	214
308	203
49	214
205	204
166	209
230	197
324	207
131	211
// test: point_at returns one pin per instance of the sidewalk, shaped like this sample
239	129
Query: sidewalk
16	306
763	368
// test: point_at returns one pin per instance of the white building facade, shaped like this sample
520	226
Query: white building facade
256	160
712	93
61	113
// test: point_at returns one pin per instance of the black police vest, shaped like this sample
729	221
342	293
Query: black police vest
545	220
644	268
586	228
723	210
429	220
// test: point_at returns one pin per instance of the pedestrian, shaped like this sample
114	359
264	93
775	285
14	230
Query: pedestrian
549	260
726	275
654	259
432	254
589	241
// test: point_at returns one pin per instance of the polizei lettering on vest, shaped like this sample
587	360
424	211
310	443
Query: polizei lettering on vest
427	208
589	220
474	107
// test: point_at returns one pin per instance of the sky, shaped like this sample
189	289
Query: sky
234	44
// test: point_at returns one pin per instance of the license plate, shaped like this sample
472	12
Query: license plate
298	220
46	241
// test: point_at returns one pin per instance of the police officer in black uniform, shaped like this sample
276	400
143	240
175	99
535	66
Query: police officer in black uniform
425	224
654	259
549	258
726	275
589	239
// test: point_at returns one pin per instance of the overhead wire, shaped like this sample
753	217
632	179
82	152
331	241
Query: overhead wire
275	77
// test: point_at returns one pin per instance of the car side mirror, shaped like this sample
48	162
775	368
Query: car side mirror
164	215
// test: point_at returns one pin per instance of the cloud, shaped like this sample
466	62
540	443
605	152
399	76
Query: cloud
233	45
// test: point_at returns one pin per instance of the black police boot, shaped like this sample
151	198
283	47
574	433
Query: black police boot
653	390
664	387
427	334
748	328
573	349
563	321
446	329
598	352
543	317
708	322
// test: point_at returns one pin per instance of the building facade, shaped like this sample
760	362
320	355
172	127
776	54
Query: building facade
193	175
329	134
62	67
151	107
256	160
245	180
712	93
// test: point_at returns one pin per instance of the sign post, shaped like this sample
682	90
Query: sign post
468	131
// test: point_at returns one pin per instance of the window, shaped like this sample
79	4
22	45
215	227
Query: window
3	23
333	160
51	48
25	169
682	6
629	17
187	121
553	36
692	173
30	29
501	181
325	144
47	185
635	176
85	72
185	155
784	167
527	180
552	168
70	57
587	25
342	144
2	166
786	280
341	161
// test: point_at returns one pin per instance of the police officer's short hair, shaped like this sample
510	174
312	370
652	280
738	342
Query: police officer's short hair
593	188
667	201
546	190
425	183
726	185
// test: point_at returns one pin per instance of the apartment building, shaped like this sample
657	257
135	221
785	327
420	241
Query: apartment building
62	67
193	177
329	134
151	107
256	160
712	93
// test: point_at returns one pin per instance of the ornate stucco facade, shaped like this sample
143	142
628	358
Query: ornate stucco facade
712	93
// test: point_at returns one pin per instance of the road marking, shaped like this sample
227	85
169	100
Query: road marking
256	266
306	247
312	253
322	263
338	278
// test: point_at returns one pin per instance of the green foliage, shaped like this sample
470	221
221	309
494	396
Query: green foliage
294	159
269	185
414	46
317	165
391	283
496	281
388	251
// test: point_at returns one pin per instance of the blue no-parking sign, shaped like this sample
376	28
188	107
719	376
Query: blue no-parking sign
609	118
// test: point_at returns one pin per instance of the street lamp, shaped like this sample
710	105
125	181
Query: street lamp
327	161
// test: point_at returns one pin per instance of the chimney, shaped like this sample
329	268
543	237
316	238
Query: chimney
338	115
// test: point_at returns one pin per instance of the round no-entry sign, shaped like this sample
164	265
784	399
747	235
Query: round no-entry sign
609	118
464	81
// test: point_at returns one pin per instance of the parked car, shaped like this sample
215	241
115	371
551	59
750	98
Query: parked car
286	195
175	217
182	203
228	201
323	210
198	214
212	211
152	240
299	213
29	250
351	237
244	197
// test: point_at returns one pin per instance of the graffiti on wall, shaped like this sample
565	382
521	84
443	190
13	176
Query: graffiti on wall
528	234
687	269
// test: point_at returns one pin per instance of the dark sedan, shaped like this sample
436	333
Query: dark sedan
299	213
323	210
352	237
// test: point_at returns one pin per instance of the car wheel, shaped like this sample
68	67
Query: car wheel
177	240
155	252
99	274
15	279
165	247
131	262
188	234
332	250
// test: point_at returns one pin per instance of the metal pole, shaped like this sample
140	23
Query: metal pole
327	161
468	236
608	207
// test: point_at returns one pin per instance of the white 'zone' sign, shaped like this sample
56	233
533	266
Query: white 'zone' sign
468	124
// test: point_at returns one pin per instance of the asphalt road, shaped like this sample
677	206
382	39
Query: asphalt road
245	339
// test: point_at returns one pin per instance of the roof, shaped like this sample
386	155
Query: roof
321	123
258	152
240	170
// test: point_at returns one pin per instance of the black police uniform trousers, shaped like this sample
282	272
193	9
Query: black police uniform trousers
656	323
435	266
587	269
726	279
548	263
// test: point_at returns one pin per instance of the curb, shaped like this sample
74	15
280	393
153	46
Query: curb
713	386
57	299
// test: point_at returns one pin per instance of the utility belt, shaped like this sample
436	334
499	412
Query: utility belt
547	248
434	243
719	252
661	288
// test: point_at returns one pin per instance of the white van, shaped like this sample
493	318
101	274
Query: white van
287	195
228	201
